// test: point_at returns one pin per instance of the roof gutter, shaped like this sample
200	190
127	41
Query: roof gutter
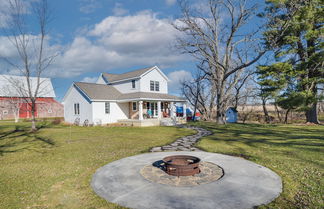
126	79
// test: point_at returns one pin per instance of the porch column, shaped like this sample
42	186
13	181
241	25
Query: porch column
172	113
184	106
159	109
140	110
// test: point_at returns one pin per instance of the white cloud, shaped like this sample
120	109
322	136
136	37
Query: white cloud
170	2
176	78
120	42
89	79
115	42
11	62
5	15
118	10
6	48
89	6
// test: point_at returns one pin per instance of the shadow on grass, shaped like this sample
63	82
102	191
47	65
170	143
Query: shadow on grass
22	138
271	135
290	140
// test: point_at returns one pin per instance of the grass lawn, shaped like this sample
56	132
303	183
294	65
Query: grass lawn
294	152
53	168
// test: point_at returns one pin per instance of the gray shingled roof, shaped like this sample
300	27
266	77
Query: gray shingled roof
117	77
98	91
107	92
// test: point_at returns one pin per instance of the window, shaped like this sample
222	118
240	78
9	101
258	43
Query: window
107	107
152	85
76	109
50	111
134	106
133	84
157	86
5	112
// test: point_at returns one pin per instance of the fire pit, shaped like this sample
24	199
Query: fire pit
181	165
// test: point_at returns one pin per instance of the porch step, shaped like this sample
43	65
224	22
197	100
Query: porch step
168	122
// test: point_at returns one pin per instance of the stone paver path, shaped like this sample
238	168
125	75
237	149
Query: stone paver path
185	143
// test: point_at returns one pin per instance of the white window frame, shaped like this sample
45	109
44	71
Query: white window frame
107	107
133	84
157	86
135	106
76	109
152	84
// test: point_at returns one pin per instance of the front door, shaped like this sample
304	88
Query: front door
153	107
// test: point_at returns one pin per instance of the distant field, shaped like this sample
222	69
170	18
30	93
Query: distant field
254	113
294	152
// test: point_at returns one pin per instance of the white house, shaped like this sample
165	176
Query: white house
139	97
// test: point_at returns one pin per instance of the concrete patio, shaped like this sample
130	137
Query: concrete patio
244	184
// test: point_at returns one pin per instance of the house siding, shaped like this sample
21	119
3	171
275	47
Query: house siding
153	75
126	86
85	107
118	111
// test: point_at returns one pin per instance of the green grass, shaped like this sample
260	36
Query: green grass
53	168
296	153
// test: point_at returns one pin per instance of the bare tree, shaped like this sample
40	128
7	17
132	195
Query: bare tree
200	95
14	106
242	92
32	51
216	37
246	105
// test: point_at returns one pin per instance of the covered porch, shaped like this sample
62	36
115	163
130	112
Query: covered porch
154	112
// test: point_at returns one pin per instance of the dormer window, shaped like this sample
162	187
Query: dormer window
133	84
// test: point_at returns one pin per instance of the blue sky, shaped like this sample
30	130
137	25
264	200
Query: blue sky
116	36
74	18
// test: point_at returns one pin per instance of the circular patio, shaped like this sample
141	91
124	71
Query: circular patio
244	184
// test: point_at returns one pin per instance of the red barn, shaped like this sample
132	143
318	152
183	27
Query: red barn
14	103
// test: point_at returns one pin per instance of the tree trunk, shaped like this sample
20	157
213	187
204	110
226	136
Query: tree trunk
33	110
195	110
236	100
219	117
265	111
16	116
311	114
219	112
286	116
278	112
